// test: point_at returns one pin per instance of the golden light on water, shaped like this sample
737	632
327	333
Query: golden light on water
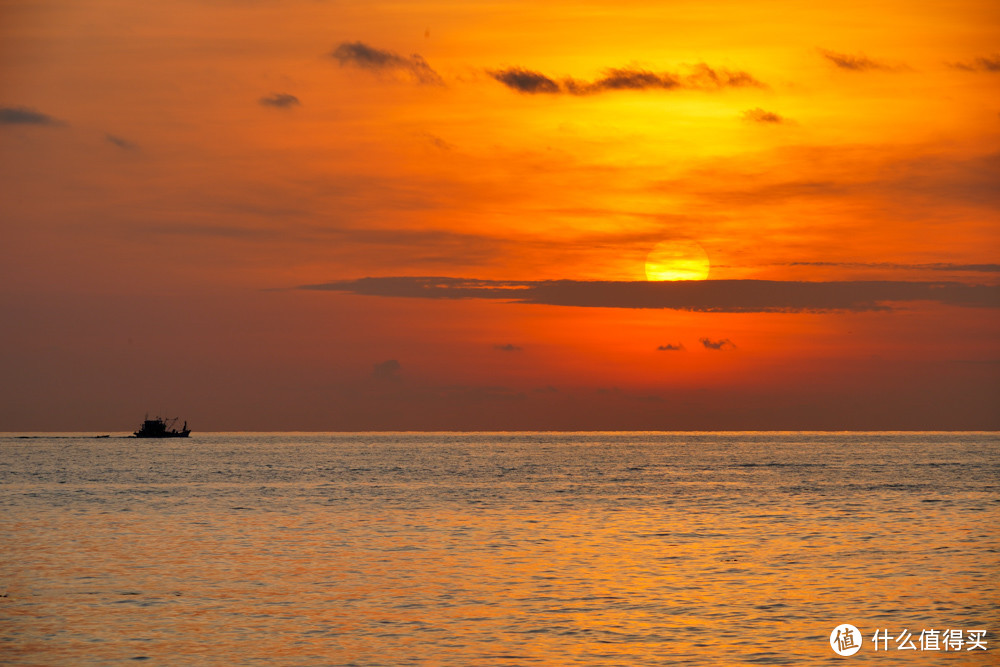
677	260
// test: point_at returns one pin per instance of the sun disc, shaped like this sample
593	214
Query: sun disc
677	260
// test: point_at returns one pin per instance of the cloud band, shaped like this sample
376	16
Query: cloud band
700	77
726	296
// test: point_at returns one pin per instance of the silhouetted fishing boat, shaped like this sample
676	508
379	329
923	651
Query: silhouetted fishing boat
162	428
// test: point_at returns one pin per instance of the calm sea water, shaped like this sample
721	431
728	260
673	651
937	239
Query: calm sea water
495	548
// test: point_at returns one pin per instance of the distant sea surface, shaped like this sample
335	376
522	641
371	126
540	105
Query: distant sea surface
496	548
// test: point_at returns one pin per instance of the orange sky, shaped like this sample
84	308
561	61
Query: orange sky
173	174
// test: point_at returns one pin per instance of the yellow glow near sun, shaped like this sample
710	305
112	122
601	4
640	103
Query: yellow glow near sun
677	260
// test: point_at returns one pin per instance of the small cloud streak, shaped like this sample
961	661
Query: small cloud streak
858	63
623	78
437	141
508	347
721	344
926	181
359	54
980	64
670	347
525	81
279	101
387	370
700	77
124	144
26	116
934	266
758	115
722	296
707	78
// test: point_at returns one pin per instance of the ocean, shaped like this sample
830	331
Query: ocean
500	548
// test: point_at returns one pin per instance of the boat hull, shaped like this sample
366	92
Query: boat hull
161	428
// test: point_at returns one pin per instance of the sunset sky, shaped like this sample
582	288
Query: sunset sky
308	215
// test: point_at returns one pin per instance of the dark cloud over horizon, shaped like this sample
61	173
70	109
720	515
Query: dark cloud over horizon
732	296
26	116
700	77
671	347
359	54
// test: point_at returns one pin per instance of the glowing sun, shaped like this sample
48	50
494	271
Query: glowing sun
677	260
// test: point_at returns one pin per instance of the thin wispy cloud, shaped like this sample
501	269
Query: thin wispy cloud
361	55
980	64
759	115
279	101
723	296
508	347
474	394
671	347
856	63
437	141
721	344
698	77
706	78
923	182
26	116
387	370
124	144
933	266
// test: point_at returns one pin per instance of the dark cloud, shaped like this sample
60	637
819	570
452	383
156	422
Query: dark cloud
858	63
623	79
367	57
387	370
981	64
700	77
721	344
509	347
120	143
525	81
730	296
670	347
280	101
25	116
705	77
758	115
